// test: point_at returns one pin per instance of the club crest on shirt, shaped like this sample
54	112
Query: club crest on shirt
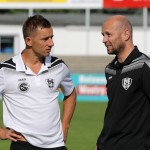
23	87
126	83
50	83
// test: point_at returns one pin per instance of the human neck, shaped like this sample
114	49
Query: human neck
32	61
124	54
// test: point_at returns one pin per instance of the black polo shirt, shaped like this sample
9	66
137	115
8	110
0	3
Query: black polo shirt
127	117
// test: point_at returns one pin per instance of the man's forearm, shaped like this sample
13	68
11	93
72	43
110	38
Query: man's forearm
68	110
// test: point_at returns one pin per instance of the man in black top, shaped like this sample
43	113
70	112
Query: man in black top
127	117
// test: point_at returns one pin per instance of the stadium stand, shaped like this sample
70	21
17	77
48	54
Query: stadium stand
87	64
80	64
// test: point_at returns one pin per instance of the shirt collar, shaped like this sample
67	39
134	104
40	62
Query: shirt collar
20	66
133	55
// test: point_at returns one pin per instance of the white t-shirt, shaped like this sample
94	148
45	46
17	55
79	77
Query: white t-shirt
30	101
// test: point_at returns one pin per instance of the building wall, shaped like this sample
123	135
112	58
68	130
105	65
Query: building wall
77	40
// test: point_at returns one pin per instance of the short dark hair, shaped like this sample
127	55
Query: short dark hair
32	23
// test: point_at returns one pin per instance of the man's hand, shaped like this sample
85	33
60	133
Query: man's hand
8	134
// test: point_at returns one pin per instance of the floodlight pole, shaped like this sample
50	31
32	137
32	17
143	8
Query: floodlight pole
145	25
87	26
30	12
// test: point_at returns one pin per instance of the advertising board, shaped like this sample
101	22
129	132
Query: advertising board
90	87
55	4
26	1
126	3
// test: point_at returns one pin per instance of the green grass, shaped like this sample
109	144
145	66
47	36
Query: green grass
85	126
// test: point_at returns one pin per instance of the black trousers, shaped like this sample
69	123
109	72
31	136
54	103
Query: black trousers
19	145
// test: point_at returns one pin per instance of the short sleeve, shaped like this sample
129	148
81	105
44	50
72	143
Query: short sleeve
66	84
1	81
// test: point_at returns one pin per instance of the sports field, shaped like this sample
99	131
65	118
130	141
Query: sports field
85	126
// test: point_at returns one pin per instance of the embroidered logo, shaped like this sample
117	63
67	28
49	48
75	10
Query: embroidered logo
109	77
126	83
50	83
23	87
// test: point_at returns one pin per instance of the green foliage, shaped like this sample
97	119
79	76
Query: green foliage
13	11
84	129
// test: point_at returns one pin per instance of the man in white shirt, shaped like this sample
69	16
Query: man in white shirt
29	85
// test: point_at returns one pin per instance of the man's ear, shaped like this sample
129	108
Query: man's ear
127	35
28	41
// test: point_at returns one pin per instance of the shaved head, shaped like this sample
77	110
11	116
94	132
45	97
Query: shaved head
120	22
117	36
